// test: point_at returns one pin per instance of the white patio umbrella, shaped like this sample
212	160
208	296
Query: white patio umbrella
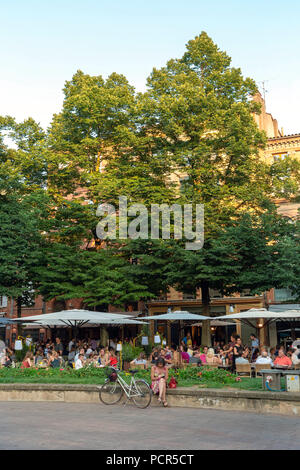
98	320
74	318
121	321
217	323
93	322
263	313
178	315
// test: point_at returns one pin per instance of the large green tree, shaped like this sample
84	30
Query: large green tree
190	138
21	241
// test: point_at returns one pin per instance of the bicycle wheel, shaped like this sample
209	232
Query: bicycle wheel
110	393
142	394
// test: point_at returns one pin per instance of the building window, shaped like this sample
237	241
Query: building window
188	296
283	295
215	294
280	156
3	301
162	297
245	293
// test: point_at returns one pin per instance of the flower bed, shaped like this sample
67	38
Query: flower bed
191	376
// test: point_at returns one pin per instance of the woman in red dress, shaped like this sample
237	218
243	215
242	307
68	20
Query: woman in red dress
28	361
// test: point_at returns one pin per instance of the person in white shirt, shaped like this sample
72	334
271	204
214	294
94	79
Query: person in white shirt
80	362
81	351
2	348
243	359
296	356
264	358
139	360
113	344
88	352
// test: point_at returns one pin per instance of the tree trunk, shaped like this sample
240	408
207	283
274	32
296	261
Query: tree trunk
104	337
293	330
19	307
206	334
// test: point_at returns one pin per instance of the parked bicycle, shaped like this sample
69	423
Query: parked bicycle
115	387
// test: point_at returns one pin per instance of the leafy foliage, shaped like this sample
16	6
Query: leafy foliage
185	377
129	352
189	138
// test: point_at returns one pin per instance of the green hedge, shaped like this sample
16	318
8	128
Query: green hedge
190	375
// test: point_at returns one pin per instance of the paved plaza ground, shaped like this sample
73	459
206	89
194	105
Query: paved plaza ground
90	426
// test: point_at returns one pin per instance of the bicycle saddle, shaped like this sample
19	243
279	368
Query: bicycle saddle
133	371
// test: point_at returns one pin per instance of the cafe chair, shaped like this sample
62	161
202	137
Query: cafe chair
244	369
259	367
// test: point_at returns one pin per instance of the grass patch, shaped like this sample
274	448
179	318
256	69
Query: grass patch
190	377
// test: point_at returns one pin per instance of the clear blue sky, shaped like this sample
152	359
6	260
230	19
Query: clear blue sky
43	42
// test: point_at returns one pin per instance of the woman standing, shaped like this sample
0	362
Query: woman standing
237	350
159	377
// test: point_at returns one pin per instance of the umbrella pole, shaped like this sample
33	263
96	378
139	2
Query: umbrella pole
206	333
75	331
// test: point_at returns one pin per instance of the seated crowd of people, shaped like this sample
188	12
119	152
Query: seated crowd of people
83	353
228	354
53	354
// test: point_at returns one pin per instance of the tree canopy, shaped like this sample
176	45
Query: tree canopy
189	138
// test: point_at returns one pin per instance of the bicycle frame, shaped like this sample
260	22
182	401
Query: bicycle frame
130	390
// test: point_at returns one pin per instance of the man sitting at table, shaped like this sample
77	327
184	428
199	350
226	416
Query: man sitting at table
140	360
264	358
282	359
243	359
295	356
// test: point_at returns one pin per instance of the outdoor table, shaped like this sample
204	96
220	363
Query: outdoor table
281	367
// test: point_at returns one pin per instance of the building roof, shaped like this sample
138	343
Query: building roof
287	136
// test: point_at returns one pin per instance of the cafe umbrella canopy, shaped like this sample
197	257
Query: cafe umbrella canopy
74	318
261	313
92	322
217	322
178	315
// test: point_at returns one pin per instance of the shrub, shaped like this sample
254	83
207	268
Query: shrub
205	374
20	355
130	352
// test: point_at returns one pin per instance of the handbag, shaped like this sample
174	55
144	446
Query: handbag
172	383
